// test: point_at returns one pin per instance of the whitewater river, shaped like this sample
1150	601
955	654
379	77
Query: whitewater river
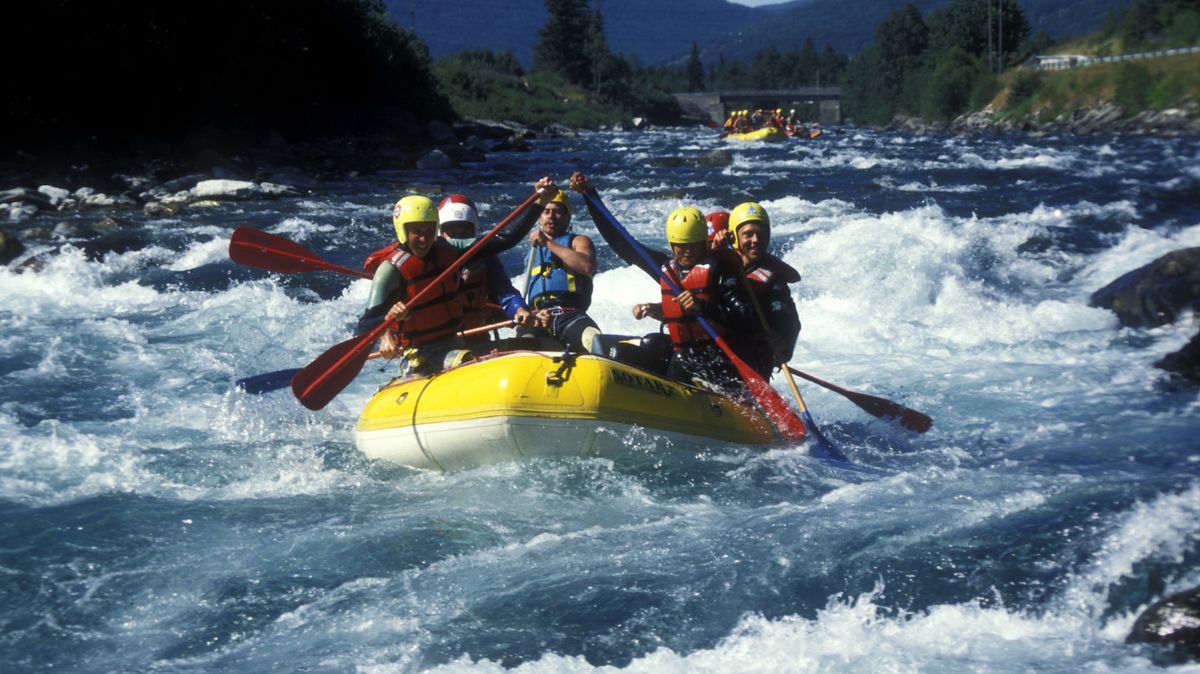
154	519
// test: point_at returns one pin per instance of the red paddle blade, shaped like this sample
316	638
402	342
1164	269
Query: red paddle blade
321	380
790	426
258	249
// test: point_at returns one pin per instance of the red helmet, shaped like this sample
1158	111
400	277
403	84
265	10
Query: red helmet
717	220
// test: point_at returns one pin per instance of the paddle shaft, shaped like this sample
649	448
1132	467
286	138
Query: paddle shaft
790	426
273	381
804	413
320	381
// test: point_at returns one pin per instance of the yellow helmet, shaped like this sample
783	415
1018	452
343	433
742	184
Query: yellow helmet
560	198
744	213
686	225
412	209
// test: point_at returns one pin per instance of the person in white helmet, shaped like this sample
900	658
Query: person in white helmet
483	278
426	332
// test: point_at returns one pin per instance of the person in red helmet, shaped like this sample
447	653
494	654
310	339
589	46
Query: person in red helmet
718	230
710	289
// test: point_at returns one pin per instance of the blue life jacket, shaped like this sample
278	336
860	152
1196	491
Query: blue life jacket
553	285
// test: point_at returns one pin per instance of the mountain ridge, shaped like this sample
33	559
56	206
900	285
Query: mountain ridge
662	31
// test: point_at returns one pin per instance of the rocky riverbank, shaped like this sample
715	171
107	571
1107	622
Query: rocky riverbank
151	179
1103	119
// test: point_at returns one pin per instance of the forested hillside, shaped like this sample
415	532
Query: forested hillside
203	72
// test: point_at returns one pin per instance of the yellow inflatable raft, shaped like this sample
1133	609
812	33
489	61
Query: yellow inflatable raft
768	133
533	403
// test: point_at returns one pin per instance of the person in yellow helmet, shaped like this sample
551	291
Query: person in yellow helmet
767	278
710	289
426	333
558	284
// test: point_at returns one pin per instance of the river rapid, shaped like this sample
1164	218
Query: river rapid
154	519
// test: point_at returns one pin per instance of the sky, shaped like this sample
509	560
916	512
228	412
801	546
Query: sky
756	3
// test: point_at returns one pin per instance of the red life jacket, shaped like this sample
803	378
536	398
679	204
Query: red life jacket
375	259
769	270
440	313
684	329
474	289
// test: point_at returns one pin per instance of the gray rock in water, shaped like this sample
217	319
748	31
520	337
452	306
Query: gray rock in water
10	247
56	195
1156	293
157	209
25	195
1185	362
441	133
557	130
225	189
70	230
715	158
436	159
1173	622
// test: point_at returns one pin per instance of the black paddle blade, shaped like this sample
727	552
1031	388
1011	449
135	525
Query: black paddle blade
884	408
268	381
876	406
321	380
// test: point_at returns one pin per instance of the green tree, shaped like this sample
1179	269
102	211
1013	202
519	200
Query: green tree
767	71
964	24
807	64
949	86
695	70
901	41
596	51
830	67
562	41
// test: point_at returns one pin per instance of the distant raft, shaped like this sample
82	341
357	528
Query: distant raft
535	403
767	133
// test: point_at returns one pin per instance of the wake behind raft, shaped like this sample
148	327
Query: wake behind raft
530	403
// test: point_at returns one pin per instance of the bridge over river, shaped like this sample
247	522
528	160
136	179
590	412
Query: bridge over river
821	104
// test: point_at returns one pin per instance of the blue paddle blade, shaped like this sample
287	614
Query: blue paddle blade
822	448
267	382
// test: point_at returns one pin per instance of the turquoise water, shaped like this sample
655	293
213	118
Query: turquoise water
155	519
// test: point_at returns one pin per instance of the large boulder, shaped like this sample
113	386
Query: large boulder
1184	362
10	247
1154	294
1173	622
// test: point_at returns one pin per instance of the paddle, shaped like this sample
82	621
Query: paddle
273	381
258	249
874	405
776	408
321	380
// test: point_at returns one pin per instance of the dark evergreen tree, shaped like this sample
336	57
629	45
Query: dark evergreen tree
562	41
964	24
695	70
830	67
807	65
596	51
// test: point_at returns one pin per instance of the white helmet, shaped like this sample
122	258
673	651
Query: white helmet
457	208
